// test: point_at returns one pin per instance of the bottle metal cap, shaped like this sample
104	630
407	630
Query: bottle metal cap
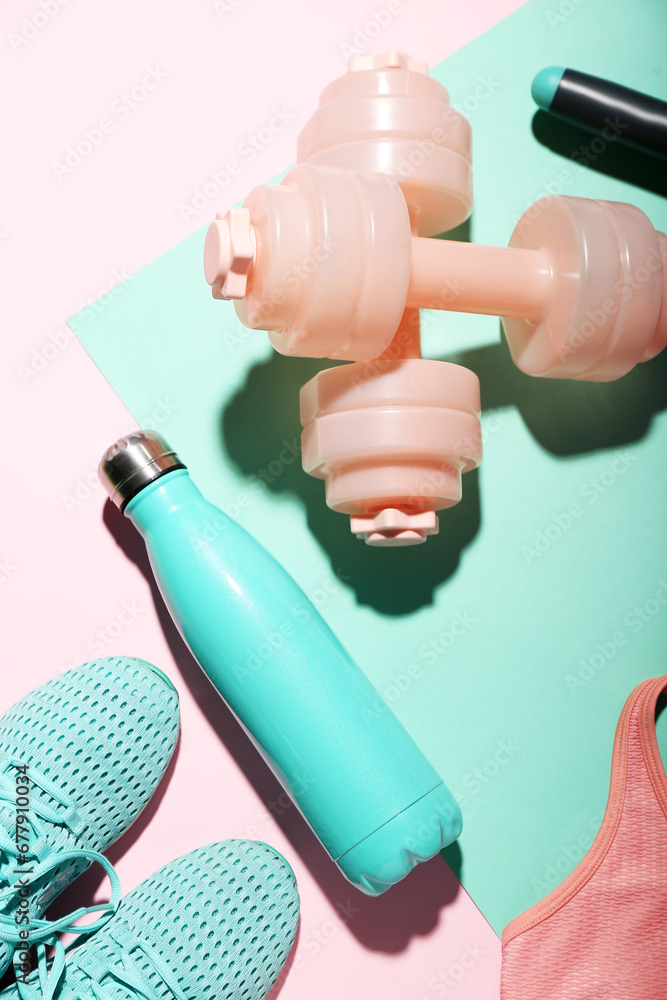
133	462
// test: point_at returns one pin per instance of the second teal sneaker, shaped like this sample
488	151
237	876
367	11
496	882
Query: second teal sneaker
80	757
216	924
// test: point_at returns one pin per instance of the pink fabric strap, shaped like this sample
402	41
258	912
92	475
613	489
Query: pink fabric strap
603	932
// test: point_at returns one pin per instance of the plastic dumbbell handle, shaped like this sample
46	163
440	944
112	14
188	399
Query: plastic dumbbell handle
444	274
469	277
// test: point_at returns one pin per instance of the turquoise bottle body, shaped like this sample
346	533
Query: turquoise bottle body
367	791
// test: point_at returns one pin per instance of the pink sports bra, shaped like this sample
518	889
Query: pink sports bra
602	934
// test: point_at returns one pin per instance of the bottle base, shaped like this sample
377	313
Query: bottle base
412	836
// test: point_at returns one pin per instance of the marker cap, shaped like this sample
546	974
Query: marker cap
544	86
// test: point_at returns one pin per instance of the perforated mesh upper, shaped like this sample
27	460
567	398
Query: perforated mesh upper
103	733
222	918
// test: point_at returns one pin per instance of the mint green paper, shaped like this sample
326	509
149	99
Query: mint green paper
508	644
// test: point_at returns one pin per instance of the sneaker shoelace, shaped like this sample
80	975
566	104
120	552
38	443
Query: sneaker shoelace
27	841
128	974
106	979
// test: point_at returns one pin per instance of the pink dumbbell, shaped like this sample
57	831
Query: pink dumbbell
336	262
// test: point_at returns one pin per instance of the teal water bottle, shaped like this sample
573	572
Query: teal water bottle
367	791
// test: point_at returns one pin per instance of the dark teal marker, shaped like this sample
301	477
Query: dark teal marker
635	118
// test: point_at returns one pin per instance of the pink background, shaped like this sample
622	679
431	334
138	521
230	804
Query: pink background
219	73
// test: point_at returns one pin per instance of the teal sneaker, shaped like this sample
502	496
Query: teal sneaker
79	759
217	924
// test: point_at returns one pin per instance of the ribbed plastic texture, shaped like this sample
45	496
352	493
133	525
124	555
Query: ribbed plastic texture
103	734
221	921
